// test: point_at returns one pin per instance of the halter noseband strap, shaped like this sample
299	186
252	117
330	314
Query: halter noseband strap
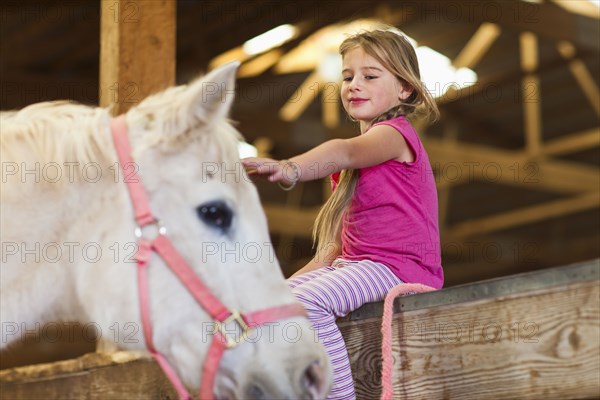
160	244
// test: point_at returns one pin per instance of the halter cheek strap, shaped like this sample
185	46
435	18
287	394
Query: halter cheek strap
160	244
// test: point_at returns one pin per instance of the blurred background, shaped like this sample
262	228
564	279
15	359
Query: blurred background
516	152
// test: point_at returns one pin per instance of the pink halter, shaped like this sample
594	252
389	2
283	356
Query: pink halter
202	294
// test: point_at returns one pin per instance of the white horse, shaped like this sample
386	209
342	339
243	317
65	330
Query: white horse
68	243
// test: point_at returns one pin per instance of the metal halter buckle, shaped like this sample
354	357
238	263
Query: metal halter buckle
232	342
159	230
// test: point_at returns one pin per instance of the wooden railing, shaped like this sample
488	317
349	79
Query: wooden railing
528	336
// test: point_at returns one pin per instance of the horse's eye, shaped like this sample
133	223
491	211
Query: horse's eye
215	214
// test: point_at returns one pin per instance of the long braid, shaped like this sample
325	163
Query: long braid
394	112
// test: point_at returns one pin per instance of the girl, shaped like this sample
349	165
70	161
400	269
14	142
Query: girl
379	228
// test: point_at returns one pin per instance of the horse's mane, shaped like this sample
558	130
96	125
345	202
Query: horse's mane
61	131
57	131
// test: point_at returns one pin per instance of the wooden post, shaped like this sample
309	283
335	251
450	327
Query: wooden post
137	51
530	87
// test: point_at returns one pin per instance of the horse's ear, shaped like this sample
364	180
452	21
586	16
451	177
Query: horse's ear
210	98
182	109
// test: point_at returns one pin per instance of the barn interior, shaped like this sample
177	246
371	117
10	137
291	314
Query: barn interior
516	152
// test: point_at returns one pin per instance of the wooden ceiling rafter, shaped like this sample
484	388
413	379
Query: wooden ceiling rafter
585	8
330	105
531	93
477	46
581	73
259	64
572	143
501	80
520	16
305	94
525	215
515	167
534	147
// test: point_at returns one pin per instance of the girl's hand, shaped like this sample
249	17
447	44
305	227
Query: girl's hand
285	172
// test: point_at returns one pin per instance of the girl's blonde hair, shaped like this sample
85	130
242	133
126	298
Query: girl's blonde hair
394	52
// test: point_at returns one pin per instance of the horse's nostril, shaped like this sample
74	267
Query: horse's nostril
313	381
310	375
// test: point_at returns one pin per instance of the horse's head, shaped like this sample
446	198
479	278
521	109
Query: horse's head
186	152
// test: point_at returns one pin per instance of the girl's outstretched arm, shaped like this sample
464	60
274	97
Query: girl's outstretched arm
380	144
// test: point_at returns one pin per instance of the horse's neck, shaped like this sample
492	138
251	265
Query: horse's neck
52	233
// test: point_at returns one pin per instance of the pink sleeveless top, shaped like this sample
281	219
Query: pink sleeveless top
393	217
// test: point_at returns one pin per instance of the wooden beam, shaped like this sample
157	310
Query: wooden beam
572	143
525	215
235	54
586	83
477	46
330	110
528	51
302	97
121	375
137	51
512	167
502	81
545	20
586	8
539	343
582	75
260	64
530	93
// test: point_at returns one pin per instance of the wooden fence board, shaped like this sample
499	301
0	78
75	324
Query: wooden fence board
535	344
94	376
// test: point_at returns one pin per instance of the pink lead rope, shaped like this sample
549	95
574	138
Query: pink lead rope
387	389
201	293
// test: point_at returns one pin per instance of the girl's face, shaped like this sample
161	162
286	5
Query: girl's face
368	89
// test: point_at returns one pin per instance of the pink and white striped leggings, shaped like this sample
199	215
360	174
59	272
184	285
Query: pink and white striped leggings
334	291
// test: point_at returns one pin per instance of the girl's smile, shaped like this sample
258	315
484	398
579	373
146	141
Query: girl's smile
356	101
